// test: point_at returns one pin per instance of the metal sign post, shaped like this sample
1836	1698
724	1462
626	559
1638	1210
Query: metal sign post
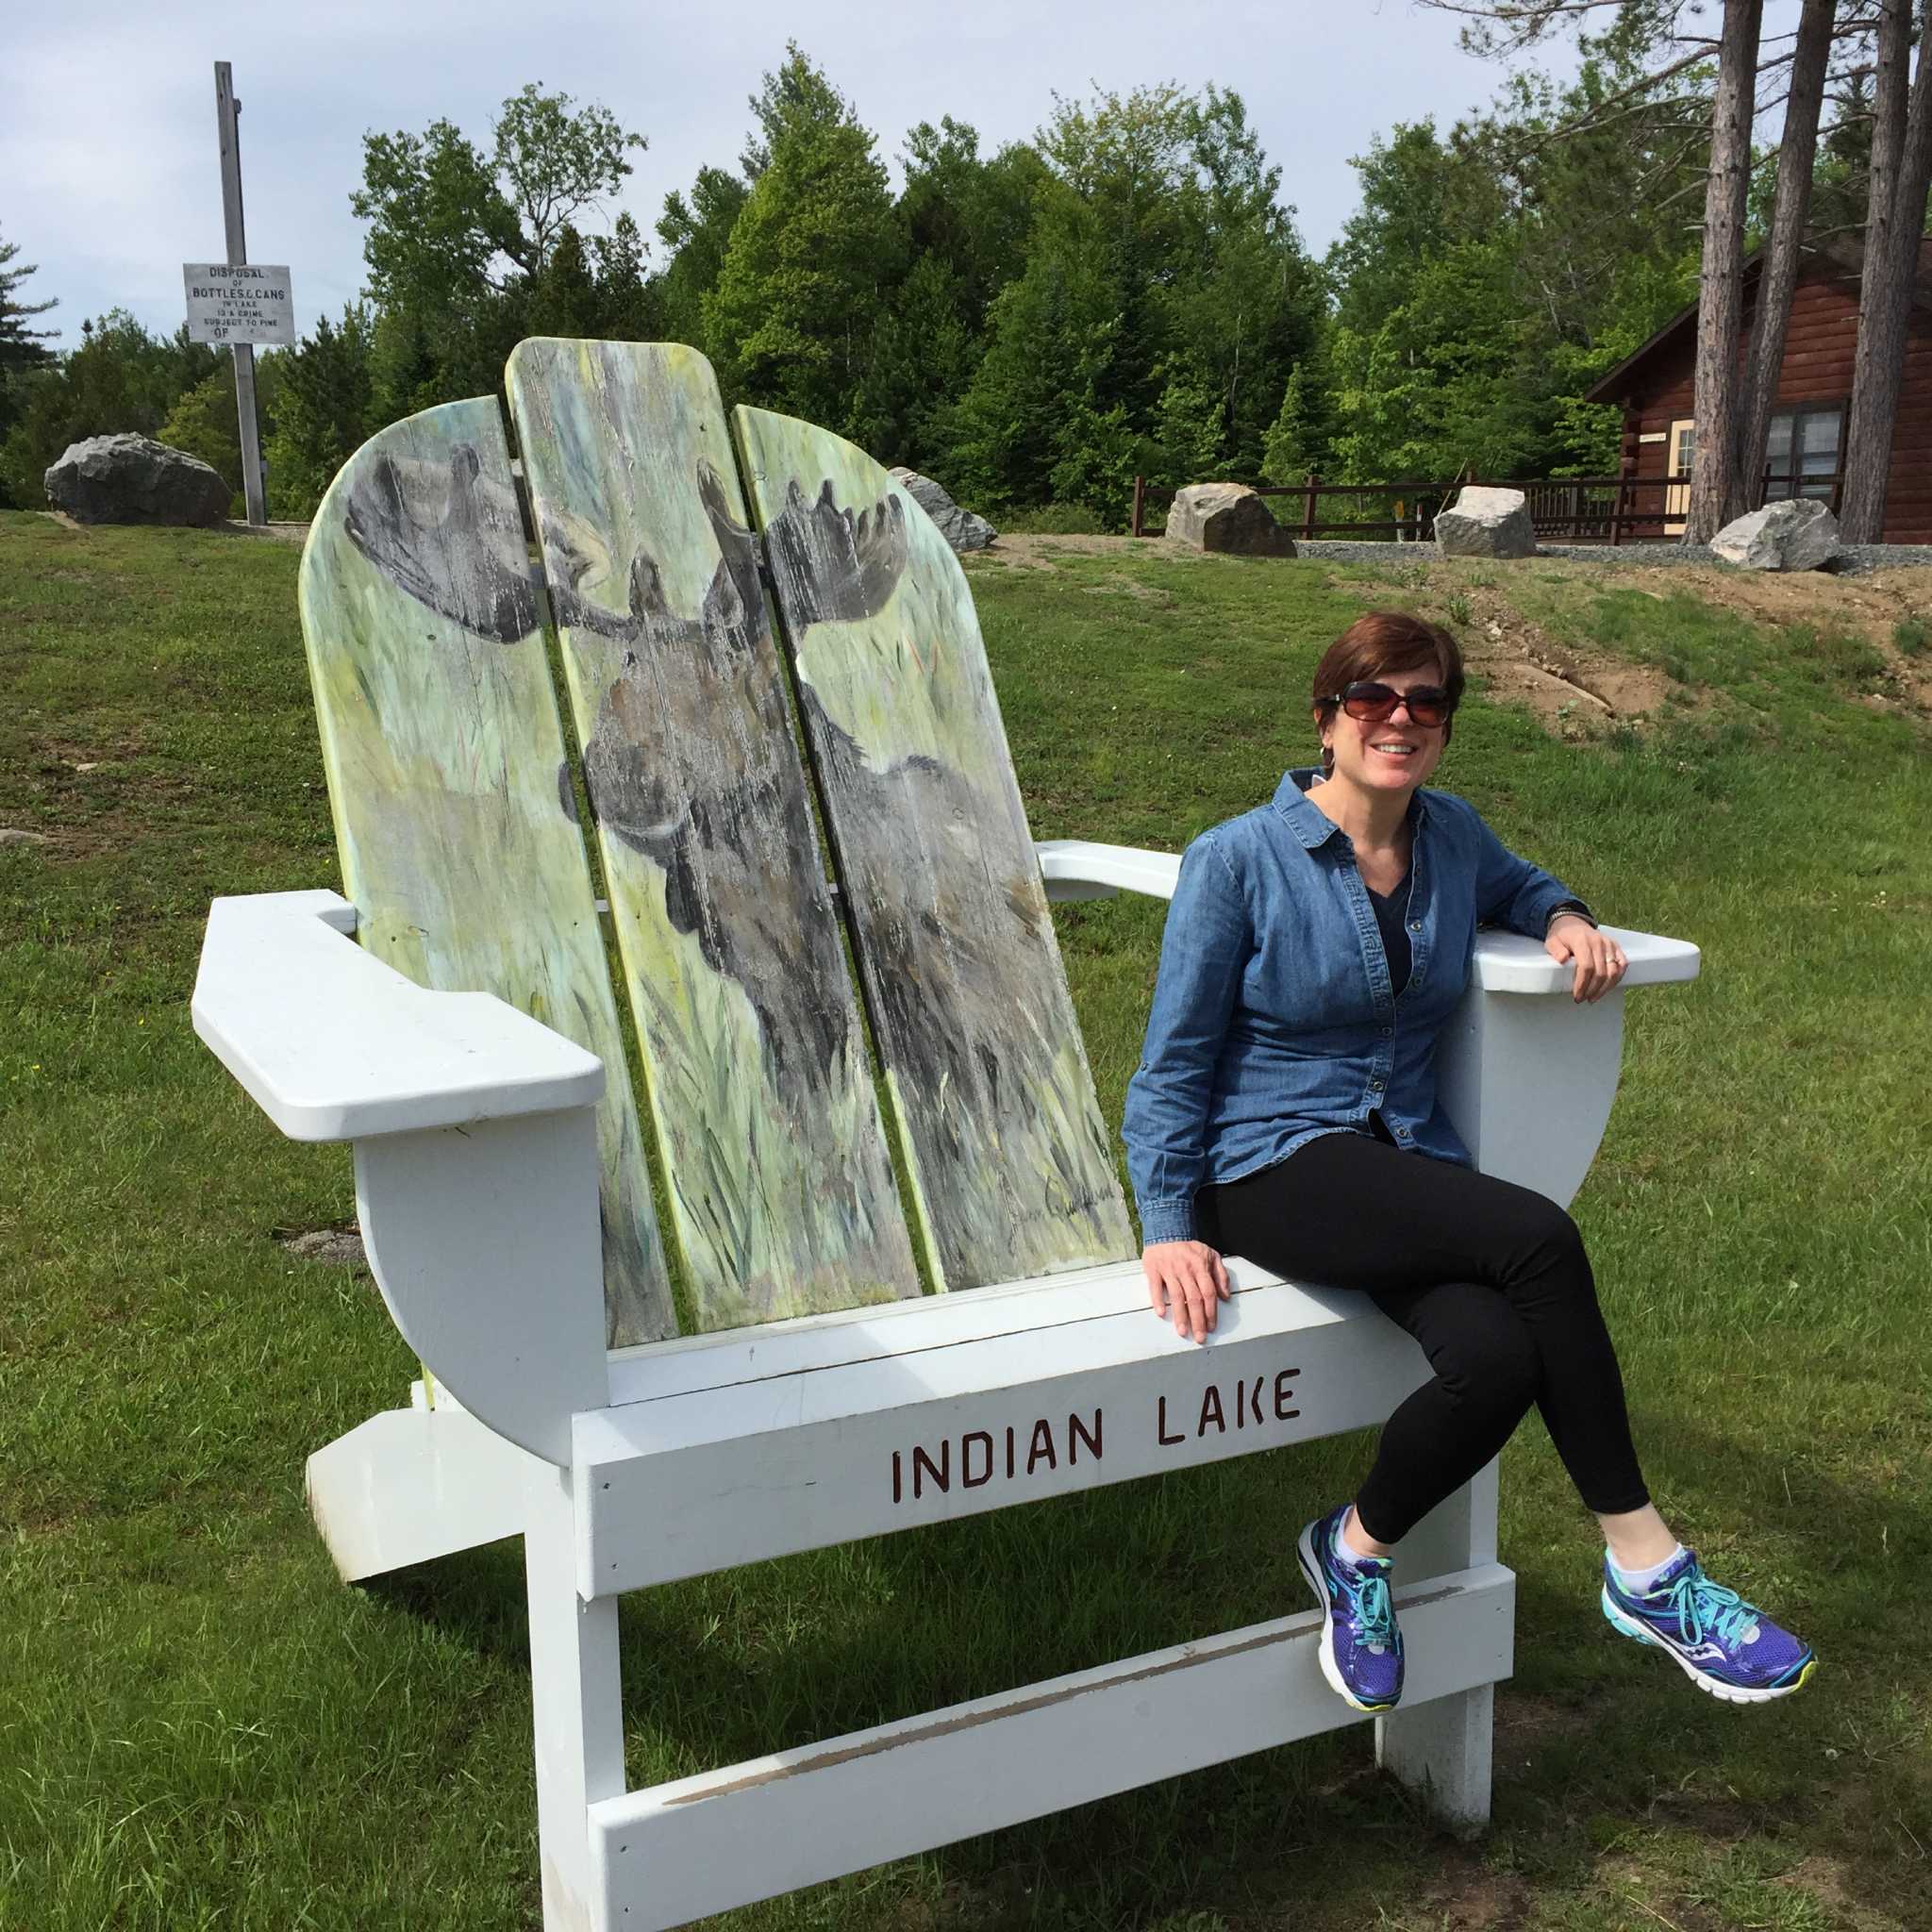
226	108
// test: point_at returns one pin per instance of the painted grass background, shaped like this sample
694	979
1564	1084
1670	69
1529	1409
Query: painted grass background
199	1727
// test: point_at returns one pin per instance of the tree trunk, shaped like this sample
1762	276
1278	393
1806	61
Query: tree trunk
1798	148
1714	464
1901	170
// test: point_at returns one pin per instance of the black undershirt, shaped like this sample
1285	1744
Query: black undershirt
1391	916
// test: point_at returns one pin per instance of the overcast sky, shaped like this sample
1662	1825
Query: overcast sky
109	178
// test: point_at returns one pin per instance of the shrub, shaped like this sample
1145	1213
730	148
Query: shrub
1052	520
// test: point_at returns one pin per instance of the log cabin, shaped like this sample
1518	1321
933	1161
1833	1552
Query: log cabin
1654	388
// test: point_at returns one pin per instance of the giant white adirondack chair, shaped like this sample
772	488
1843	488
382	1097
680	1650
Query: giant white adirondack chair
470	1048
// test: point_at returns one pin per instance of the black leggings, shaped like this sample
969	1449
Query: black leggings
1490	1277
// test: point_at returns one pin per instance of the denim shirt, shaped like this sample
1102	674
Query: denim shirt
1274	1021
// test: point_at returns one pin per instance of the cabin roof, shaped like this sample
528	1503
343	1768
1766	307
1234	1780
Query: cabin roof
1837	258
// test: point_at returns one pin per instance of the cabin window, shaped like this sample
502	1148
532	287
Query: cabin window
1802	458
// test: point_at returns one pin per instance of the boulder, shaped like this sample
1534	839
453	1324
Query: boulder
1798	534
1226	517
959	527
133	479
1486	522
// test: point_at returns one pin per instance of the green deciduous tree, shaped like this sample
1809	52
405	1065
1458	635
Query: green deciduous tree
554	160
1493	274
461	244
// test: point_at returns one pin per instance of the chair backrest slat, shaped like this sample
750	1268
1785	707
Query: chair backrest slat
1013	1167
782	1195
454	807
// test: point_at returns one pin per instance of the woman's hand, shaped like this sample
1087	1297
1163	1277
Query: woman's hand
1600	961
1186	1283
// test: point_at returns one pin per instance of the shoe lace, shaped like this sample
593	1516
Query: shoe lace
1374	1613
1705	1609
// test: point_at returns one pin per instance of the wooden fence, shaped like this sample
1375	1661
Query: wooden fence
1564	509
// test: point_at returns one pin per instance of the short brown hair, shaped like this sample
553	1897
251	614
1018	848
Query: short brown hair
1380	641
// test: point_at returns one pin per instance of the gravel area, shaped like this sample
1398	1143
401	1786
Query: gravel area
1853	560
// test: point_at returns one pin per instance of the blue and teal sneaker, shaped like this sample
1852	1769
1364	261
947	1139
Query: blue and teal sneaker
1723	1644
1362	1648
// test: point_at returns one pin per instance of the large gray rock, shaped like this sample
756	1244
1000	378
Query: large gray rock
133	479
1798	534
959	527
1483	522
1226	517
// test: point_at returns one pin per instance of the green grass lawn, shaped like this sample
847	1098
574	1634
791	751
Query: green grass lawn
200	1727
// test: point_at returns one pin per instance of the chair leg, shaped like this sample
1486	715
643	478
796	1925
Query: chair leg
577	1696
1442	1748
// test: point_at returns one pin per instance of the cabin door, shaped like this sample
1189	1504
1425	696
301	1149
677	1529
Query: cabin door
1681	450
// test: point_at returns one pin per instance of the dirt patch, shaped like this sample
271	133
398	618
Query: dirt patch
1038	553
1834	1885
335	1248
1462	1894
85	801
1574	690
1524	1723
1870	606
275	532
1127	587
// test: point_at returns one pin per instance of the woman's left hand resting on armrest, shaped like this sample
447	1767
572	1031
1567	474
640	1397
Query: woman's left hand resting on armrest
1186	1283
1600	961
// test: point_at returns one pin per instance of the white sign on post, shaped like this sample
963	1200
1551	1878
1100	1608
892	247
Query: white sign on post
239	301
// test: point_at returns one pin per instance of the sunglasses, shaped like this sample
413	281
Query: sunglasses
1373	704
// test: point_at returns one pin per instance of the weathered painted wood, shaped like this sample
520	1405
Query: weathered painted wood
452	804
697	1481
782	1193
677	1852
1013	1167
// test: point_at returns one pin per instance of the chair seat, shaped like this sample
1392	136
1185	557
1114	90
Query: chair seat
728	1449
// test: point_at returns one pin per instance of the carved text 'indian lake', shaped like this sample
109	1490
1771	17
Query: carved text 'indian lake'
1015	1453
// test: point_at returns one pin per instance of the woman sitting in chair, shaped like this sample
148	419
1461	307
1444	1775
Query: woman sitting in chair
1285	1109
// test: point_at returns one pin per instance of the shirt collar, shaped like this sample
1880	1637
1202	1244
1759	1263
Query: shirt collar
1307	820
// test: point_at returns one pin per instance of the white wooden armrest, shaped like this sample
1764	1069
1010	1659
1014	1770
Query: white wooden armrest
475	1150
334	1045
1504	962
1079	869
1508	962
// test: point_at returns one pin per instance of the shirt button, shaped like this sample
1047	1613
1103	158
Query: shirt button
1415	925
1387	1031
